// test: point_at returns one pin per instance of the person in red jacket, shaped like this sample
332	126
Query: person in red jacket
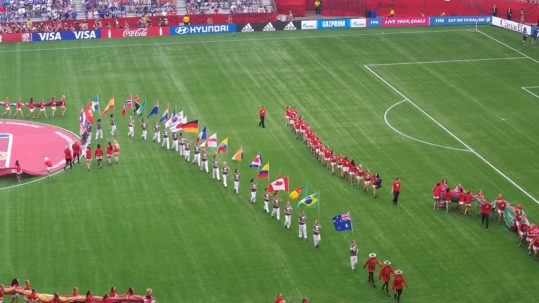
68	157
436	191
89	298
76	151
396	190
63	105
32	297
53	106
385	274
109	153
48	167
31	107
279	299
99	156
500	205
88	158
468	203
262	115
371	263
535	246
485	212
398	283
42	109
18	170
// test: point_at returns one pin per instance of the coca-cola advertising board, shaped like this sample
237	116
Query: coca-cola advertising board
135	32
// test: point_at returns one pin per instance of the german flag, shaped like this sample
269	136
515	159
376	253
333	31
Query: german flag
191	127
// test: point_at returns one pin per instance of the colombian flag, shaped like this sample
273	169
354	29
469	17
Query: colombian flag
310	201
264	172
191	127
223	147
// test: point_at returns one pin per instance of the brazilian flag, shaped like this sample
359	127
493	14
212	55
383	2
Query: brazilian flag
310	201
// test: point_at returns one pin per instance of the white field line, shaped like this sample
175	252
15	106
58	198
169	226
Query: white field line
181	41
529	91
504	44
446	61
412	138
453	135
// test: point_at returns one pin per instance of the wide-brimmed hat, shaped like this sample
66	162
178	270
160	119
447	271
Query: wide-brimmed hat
398	272
387	262
372	255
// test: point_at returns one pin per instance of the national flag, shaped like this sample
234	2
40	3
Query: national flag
342	222
257	161
88	113
264	172
84	125
140	108
95	104
109	106
294	195
127	105
279	184
137	102
154	111
210	142
201	136
310	201
191	127
223	146
164	117
238	156
174	119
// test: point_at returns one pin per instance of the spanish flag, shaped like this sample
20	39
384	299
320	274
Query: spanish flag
310	201
110	106
238	156
223	147
264	172
191	127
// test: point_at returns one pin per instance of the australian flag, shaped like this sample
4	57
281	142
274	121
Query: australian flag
342	222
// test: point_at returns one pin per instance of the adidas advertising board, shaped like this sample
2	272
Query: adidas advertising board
268	26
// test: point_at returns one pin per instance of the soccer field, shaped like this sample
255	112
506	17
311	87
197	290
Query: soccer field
419	103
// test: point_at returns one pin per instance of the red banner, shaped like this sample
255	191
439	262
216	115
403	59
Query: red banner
411	21
135	32
5	38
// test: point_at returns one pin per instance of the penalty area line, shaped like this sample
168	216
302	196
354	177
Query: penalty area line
529	91
497	170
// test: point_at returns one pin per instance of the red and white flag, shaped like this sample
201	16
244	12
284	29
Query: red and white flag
279	184
210	142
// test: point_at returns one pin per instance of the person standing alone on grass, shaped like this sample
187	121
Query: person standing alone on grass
48	167
225	173
524	36
262	115
485	212
237	181
396	190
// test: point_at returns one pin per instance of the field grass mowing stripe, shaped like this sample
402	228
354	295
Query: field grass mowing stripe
510	47
232	40
454	136
412	138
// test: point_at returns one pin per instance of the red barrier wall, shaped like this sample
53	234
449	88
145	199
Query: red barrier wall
296	6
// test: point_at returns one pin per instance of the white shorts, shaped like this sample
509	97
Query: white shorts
48	170
7	110
500	212
352	174
367	183
436	197
345	169
339	166
41	109
521	233
327	159
461	203
32	110
535	248
359	177
53	108
528	239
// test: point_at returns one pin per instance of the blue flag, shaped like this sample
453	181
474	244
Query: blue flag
342	222
154	111
164	117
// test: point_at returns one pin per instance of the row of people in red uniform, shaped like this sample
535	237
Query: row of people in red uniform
32	296
385	273
528	233
32	105
344	166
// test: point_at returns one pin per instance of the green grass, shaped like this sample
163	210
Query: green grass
154	221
